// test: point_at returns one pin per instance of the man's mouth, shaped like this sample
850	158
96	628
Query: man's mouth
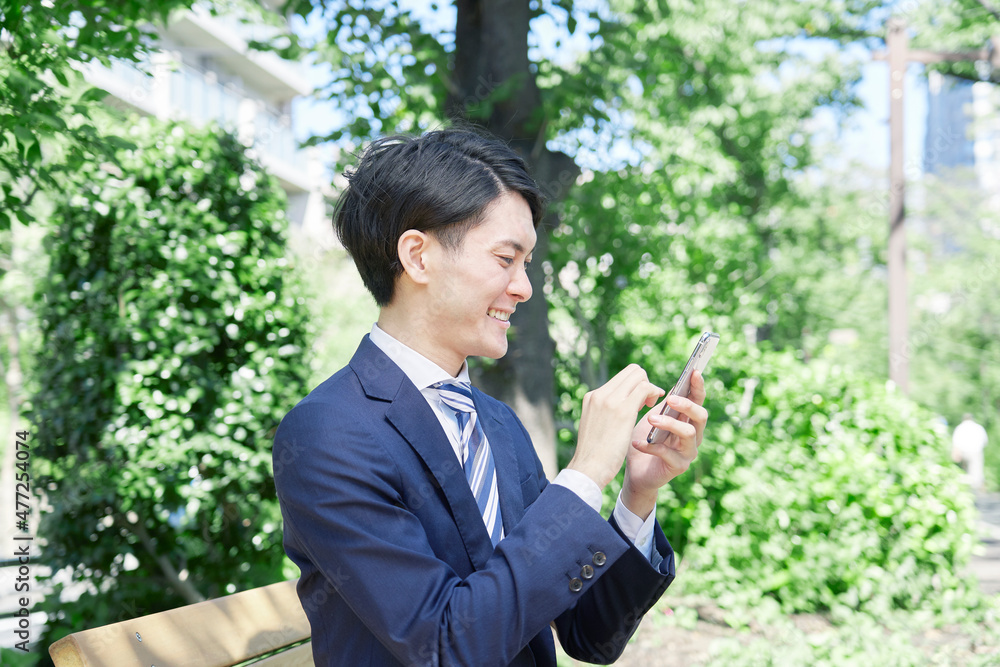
498	314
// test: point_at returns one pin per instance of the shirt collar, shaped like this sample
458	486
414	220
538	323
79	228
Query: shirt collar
421	371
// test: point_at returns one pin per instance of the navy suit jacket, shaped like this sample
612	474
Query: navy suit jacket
397	566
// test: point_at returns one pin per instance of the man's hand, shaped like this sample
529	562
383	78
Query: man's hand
650	466
608	412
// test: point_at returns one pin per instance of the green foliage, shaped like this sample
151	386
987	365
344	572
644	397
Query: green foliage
18	658
346	311
668	74
705	86
174	346
638	271
816	486
713	226
46	125
954	341
953	345
962	26
806	467
830	491
387	73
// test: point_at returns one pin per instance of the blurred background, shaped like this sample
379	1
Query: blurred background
818	181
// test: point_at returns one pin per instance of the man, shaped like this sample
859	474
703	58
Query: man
414	505
967	445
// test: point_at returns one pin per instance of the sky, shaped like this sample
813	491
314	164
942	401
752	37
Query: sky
866	136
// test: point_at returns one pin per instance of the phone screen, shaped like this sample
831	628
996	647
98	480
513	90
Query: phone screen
696	362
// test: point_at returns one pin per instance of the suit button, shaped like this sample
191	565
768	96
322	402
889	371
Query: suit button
600	559
575	585
587	572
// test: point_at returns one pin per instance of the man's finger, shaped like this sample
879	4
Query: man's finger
675	459
693	411
681	429
633	382
697	391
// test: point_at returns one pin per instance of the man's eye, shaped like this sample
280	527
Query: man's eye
507	260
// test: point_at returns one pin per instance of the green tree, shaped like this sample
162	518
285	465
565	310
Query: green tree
46	128
172	348
51	126
680	87
958	26
804	459
954	338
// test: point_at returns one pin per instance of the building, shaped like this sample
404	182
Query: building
204	72
963	132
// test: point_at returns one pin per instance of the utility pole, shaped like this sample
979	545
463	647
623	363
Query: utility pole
897	42
899	55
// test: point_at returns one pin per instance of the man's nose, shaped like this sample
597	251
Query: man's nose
520	286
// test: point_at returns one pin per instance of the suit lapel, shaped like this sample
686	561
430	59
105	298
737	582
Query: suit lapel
501	444
409	413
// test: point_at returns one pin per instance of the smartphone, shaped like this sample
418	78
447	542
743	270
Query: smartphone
696	362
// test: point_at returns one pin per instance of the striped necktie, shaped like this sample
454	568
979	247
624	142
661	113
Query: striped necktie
480	470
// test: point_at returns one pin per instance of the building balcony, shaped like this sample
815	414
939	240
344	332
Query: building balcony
225	40
173	89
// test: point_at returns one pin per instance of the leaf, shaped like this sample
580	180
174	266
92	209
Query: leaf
120	143
25	137
34	153
48	121
60	76
92	94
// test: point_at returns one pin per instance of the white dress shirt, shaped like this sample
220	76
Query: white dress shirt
423	373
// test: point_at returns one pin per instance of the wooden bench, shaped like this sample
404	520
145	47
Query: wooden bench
265	627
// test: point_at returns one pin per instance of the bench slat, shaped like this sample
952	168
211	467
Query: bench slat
300	656
215	633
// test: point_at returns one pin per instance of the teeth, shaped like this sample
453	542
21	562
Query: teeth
503	317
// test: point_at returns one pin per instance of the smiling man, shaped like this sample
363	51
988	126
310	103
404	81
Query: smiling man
414	504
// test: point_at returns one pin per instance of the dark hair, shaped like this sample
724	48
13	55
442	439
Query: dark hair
441	182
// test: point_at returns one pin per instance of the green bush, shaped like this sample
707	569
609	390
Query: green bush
818	488
829	491
172	348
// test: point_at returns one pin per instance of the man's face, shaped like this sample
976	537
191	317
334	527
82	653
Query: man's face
476	286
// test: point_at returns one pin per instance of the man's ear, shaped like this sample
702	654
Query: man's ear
413	247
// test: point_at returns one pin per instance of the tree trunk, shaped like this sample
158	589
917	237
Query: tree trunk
495	87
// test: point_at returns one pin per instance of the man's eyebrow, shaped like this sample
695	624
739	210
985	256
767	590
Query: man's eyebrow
516	245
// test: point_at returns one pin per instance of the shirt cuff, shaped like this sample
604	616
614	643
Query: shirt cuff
581	485
634	528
